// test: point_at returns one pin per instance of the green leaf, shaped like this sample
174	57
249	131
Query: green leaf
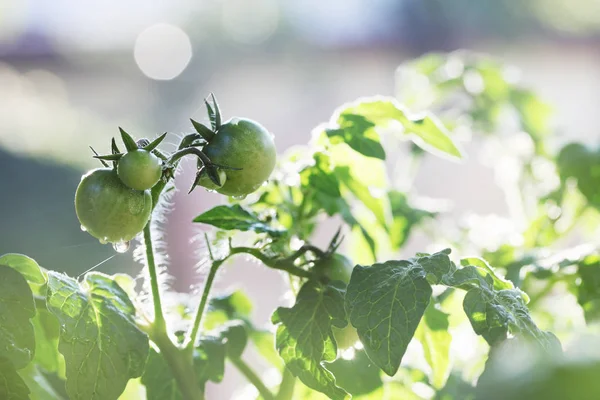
209	360
425	130
209	364
358	375
405	218
47	330
235	217
236	338
358	133
203	130
130	144
26	266
385	303
305	339
154	144
499	282
17	339
264	341
435	339
102	346
12	386
377	205
38	385
235	305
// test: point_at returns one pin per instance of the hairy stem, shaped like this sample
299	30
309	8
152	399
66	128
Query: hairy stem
285	264
253	378
159	319
286	389
191	339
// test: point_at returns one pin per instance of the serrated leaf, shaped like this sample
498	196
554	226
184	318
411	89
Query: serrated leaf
12	386
203	130
17	339
235	217
305	339
130	144
102	346
425	130
385	303
26	266
500	283
435	339
154	144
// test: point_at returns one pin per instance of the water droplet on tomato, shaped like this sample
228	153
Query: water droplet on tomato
83	228
121	247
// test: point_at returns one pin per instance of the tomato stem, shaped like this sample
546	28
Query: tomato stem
253	378
159	319
193	333
286	389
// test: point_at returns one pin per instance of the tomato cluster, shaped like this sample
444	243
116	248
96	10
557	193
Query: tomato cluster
235	158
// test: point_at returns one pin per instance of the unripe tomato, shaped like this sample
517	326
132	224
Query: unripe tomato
206	182
336	267
242	143
139	169
109	210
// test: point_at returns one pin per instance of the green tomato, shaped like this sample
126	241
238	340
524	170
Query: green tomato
242	143
109	210
206	182
345	337
139	169
337	267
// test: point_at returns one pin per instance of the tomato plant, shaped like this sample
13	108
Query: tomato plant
365	318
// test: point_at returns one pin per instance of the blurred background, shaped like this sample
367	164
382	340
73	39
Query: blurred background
72	72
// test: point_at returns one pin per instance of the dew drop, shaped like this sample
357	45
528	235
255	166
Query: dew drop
83	228
121	247
242	197
104	240
211	191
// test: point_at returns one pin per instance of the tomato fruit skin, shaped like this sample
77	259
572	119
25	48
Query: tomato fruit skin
139	169
242	143
109	210
336	267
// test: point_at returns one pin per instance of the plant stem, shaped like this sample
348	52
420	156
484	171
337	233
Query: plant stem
282	265
286	389
181	366
159	319
191	339
252	378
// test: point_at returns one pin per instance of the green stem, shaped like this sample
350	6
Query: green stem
285	264
286	389
159	319
252	378
181	366
191	339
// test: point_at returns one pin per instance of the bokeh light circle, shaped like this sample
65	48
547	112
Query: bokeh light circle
162	51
